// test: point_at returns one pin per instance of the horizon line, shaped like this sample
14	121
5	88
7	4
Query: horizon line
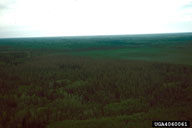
95	35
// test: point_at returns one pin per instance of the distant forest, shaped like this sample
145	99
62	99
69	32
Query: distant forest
95	82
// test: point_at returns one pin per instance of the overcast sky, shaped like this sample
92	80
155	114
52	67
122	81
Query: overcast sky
25	18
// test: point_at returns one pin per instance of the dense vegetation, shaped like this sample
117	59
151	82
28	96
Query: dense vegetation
84	83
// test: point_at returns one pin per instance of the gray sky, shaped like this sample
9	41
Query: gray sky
26	18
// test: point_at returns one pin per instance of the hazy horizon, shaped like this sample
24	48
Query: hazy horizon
139	34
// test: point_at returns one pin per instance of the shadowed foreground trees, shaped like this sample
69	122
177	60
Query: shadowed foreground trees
85	92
